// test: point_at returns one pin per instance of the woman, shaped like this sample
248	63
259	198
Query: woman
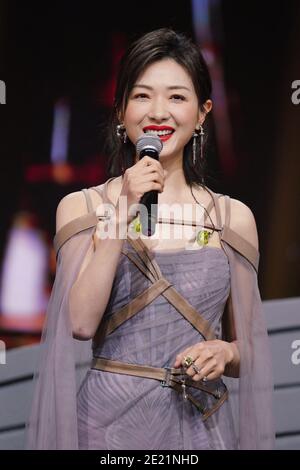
179	344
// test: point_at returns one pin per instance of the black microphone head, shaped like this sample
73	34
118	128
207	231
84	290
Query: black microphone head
148	141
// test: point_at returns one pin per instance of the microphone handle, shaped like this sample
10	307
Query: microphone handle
149	200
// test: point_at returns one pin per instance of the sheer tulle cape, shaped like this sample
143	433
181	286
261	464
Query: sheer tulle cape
53	418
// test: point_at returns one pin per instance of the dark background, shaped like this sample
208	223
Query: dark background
50	50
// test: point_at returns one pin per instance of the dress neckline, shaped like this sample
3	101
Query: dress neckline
209	207
178	251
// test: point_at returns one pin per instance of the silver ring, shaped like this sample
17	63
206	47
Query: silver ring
196	369
204	379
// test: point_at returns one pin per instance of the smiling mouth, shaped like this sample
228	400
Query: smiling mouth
161	133
164	134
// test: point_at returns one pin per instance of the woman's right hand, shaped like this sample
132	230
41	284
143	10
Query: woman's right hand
146	175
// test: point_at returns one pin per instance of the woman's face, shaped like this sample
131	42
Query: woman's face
163	101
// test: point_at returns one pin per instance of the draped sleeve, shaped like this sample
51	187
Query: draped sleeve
53	419
250	394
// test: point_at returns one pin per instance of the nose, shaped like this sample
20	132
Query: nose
158	110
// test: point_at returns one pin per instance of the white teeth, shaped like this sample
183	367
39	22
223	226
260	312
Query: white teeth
152	131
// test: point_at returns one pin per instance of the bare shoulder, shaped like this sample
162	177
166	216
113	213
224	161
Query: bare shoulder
74	205
242	220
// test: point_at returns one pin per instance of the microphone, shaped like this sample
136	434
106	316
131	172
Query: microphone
150	145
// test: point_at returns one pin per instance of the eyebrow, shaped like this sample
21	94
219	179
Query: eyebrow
173	87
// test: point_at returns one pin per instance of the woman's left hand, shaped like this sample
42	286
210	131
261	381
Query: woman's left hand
209	358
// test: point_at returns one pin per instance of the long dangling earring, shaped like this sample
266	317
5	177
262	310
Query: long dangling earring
195	137
121	133
201	141
196	134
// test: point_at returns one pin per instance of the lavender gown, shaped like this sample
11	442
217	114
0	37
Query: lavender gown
124	412
114	411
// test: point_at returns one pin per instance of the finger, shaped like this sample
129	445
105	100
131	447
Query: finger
153	167
199	364
209	371
180	357
153	163
201	353
154	173
151	178
147	160
204	352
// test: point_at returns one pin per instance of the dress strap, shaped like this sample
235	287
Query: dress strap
237	242
73	227
98	189
216	203
88	200
102	190
160	286
227	211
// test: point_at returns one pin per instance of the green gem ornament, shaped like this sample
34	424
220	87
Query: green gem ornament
203	237
136	224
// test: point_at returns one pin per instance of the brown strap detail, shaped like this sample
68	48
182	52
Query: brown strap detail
172	221
193	223
132	369
77	225
131	309
163	374
176	299
241	245
102	190
90	220
145	255
189	313
220	402
139	265
237	242
80	223
150	268
205	413
173	296
169	377
72	228
146	266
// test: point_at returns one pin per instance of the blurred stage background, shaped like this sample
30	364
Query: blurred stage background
58	61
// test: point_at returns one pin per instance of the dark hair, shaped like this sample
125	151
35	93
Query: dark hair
152	47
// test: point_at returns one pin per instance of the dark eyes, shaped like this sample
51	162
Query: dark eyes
179	97
145	96
140	95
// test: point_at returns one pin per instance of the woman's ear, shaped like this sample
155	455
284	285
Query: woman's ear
208	106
